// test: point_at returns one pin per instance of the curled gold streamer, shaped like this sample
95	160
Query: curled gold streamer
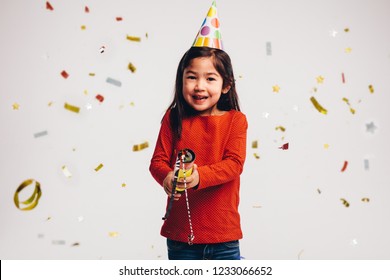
131	67
32	201
346	203
318	106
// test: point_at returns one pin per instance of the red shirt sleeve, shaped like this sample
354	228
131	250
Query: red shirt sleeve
160	164
233	157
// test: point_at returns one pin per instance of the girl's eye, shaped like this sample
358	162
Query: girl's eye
191	77
211	79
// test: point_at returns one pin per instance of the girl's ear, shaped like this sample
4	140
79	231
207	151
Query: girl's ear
226	89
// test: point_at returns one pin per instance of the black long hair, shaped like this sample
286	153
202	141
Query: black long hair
222	63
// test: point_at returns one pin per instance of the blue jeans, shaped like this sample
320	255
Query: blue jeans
218	251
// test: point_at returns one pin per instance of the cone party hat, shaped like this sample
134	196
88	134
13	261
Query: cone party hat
209	34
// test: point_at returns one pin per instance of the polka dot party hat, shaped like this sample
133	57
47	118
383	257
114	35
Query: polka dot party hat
209	34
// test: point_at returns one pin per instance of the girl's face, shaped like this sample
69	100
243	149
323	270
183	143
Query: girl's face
202	86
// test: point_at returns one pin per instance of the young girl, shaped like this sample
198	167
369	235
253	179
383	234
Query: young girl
205	117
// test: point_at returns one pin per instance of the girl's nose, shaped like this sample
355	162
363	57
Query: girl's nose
200	85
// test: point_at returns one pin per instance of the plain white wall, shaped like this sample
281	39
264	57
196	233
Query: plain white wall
290	199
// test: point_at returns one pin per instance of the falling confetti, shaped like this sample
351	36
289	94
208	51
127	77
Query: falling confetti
76	244
319	191
346	30
255	144
72	108
123	185
15	106
113	82
131	67
344	166
32	201
113	234
343	78
140	147
281	128
40	134
92	74
371	88
348	50
326	146
350	108
99	167
370	127
49	6
365	199
346	203
83	27
318	106
320	80
100	98
66	171
256	206
284	146
133	38
119	18
58	242
366	164
256	156
64	74
102	49
268	48
275	88
86	9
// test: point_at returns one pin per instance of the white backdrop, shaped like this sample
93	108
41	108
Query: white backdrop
291	203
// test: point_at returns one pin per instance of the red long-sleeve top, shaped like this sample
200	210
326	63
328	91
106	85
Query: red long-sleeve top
219	143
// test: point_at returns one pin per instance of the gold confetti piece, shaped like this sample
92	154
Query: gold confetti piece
15	106
348	50
346	100
318	106
133	38
99	167
280	128
131	67
346	29
365	199
123	185
256	156
346	203
371	88
50	103
83	27
326	146
139	147
320	80
72	108
113	234
275	88
32	201
92	74
255	144
352	110
132	104
66	171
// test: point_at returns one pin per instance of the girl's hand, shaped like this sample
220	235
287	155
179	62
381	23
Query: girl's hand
192	180
167	184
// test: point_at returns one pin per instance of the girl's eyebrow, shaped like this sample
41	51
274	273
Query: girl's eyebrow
195	73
